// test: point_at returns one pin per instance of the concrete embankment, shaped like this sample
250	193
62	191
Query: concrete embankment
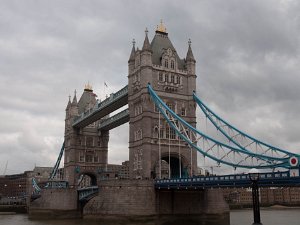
4	209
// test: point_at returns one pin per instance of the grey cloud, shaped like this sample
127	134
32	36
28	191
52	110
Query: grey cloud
247	64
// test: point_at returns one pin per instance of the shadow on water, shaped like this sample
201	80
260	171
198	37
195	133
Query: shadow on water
22	219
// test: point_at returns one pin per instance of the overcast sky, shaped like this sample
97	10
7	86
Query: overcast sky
247	52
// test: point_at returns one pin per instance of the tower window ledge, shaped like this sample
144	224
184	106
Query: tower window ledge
170	89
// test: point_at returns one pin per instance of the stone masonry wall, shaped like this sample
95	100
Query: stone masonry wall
55	203
123	198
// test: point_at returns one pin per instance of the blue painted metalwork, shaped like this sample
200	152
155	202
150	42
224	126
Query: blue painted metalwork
35	186
55	168
114	97
85	194
249	141
276	179
57	184
181	126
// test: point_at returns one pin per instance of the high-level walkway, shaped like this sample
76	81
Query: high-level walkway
109	105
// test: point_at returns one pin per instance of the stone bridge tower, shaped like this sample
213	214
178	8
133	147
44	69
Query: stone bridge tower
174	80
86	148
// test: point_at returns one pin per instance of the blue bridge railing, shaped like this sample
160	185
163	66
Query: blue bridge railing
84	194
235	180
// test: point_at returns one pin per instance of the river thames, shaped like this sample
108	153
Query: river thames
288	216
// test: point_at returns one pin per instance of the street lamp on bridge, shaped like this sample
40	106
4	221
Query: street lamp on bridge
254	177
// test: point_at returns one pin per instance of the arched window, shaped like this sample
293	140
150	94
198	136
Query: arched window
172	64
172	78
166	63
183	111
178	79
171	106
166	77
160	77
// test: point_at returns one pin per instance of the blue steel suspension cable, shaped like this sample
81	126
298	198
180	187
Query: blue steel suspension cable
161	105
206	109
55	168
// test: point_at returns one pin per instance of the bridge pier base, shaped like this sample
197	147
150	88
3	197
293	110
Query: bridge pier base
55	204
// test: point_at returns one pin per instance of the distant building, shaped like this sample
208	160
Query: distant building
289	196
124	172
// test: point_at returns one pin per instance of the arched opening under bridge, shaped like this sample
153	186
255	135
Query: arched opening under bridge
176	169
87	180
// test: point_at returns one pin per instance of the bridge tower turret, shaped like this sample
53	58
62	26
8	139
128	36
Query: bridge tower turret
86	148
152	143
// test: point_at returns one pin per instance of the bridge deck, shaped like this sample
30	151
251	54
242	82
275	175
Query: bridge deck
110	104
277	179
115	121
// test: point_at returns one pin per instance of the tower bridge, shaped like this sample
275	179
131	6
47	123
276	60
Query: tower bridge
163	144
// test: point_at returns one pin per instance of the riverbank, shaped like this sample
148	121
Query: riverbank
12	209
268	207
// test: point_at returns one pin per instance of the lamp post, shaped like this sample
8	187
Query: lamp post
254	177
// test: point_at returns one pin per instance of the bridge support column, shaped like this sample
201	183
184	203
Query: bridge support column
215	202
54	204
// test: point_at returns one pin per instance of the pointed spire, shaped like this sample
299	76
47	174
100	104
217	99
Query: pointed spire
74	102
69	103
161	28
146	45
189	55
132	54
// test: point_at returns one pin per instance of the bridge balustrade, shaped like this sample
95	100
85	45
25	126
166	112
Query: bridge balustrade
238	180
86	193
114	118
112	98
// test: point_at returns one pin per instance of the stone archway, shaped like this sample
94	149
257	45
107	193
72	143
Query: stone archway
178	168
87	179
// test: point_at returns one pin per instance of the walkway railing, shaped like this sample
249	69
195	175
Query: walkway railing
233	180
117	119
113	98
84	194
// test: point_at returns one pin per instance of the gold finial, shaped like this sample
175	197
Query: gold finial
161	27
88	87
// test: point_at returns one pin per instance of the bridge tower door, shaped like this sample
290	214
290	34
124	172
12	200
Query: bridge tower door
85	148
174	80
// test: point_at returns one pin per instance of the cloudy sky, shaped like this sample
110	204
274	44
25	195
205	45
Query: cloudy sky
247	52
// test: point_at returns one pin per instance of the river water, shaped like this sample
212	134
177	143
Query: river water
237	217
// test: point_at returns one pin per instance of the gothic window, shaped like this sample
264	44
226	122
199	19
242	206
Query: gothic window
172	78
162	133
171	106
156	108
166	63
183	111
172	64
160	77
166	77
138	109
172	133
178	80
138	135
89	141
81	156
79	141
96	159
89	158
155	133
167	132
